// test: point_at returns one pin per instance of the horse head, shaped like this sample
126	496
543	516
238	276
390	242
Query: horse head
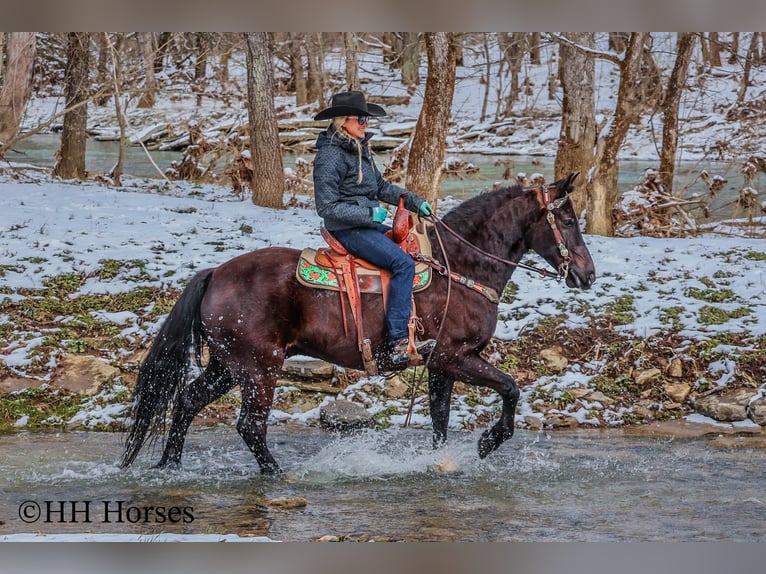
556	235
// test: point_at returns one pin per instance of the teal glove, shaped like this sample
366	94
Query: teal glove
379	214
425	209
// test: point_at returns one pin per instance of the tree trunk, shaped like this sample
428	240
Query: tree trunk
752	51
71	161
411	60
17	85
715	49
427	153
116	171
202	45
316	69
533	39
734	48
103	80
578	115
603	181
147	51
670	103
268	182
352	65
296	64
2	51
163	45
512	49
487	77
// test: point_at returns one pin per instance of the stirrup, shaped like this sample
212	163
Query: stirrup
399	353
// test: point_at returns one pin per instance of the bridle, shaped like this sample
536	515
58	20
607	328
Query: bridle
550	206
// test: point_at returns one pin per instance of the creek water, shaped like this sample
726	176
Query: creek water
584	485
40	149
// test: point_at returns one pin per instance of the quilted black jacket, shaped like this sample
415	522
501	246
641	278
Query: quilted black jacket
340	200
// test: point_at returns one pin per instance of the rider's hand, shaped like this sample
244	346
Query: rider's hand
379	214
425	209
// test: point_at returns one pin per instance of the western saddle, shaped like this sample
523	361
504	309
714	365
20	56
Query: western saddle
334	268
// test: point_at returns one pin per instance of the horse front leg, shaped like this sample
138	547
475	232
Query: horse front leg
439	394
476	371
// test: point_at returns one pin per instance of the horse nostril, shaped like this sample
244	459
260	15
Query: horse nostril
591	279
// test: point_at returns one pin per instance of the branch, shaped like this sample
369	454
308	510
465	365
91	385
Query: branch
604	55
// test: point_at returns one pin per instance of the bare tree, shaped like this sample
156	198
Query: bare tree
2	50
268	182
146	47
297	69
411	59
603	180
752	56
352	65
427	154
512	47
17	85
670	103
575	151
115	49
71	157
316	81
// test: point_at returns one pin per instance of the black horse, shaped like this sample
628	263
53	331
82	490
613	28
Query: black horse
252	313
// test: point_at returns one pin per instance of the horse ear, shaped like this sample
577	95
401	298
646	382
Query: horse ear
567	184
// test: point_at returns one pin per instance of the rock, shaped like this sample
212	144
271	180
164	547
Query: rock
534	423
13	384
84	374
579	393
600	397
560	421
307	368
554	359
344	416
395	388
738	442
328	538
286	503
726	408
675	369
647	375
757	410
445	467
678	392
643	412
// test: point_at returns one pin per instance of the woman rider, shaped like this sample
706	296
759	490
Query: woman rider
348	188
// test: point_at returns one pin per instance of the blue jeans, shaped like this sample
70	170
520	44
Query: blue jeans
370	244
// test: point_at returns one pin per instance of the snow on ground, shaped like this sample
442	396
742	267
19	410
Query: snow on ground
166	231
52	228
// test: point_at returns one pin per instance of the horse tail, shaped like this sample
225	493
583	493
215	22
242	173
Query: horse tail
164	370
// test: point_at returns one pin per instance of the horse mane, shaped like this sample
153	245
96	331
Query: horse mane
474	212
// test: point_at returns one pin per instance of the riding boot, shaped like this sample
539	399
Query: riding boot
398	355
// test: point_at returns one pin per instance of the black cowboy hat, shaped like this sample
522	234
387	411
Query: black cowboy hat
349	104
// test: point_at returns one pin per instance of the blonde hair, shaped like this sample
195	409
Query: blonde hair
338	122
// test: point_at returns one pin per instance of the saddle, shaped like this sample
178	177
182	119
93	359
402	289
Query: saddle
334	268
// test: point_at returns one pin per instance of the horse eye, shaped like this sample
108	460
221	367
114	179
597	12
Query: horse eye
568	222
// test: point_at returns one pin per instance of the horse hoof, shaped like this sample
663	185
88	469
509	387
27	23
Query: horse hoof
272	470
168	465
486	444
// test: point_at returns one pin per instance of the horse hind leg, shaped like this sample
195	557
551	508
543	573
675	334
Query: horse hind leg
211	385
257	396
